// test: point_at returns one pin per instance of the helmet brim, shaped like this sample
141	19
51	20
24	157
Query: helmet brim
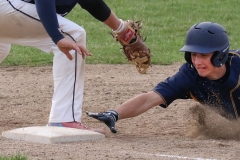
196	49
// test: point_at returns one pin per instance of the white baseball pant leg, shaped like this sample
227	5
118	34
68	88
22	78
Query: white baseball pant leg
19	27
4	50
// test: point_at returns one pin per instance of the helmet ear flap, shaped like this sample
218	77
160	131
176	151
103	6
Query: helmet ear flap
218	59
187	57
213	58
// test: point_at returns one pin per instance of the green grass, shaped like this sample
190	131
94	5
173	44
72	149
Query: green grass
165	24
14	157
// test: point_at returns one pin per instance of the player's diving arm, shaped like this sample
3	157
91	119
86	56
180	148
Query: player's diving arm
139	104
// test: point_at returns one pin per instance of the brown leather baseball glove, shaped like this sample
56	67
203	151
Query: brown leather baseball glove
133	45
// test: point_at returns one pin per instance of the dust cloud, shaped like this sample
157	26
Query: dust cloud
205	123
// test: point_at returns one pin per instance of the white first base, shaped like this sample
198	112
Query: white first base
48	134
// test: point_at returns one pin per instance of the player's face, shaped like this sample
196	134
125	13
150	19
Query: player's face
203	64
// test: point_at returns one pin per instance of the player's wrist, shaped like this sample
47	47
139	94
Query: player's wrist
57	38
114	114
120	27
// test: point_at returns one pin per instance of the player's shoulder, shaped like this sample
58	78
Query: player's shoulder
234	53
234	58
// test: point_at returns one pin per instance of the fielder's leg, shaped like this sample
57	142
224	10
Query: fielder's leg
4	51
20	25
68	80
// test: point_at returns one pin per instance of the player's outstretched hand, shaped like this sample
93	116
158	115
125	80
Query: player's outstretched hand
65	45
108	117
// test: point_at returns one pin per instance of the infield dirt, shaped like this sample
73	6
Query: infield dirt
172	133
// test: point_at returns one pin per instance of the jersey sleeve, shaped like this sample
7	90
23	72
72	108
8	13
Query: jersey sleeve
97	8
175	87
46	10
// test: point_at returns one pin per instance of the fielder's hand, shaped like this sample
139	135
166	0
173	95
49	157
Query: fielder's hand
133	45
108	117
65	45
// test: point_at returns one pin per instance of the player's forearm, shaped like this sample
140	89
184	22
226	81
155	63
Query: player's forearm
97	8
47	13
138	105
113	22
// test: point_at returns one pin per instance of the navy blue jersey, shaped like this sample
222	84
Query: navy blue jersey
63	7
47	10
187	84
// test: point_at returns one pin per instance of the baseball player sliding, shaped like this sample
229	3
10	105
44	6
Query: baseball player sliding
41	24
211	76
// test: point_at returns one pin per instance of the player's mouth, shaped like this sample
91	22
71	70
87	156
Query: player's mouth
201	70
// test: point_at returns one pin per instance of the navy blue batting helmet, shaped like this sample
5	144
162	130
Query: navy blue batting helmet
207	37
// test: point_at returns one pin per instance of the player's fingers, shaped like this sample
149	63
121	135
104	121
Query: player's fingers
83	51
89	53
83	55
77	49
69	56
